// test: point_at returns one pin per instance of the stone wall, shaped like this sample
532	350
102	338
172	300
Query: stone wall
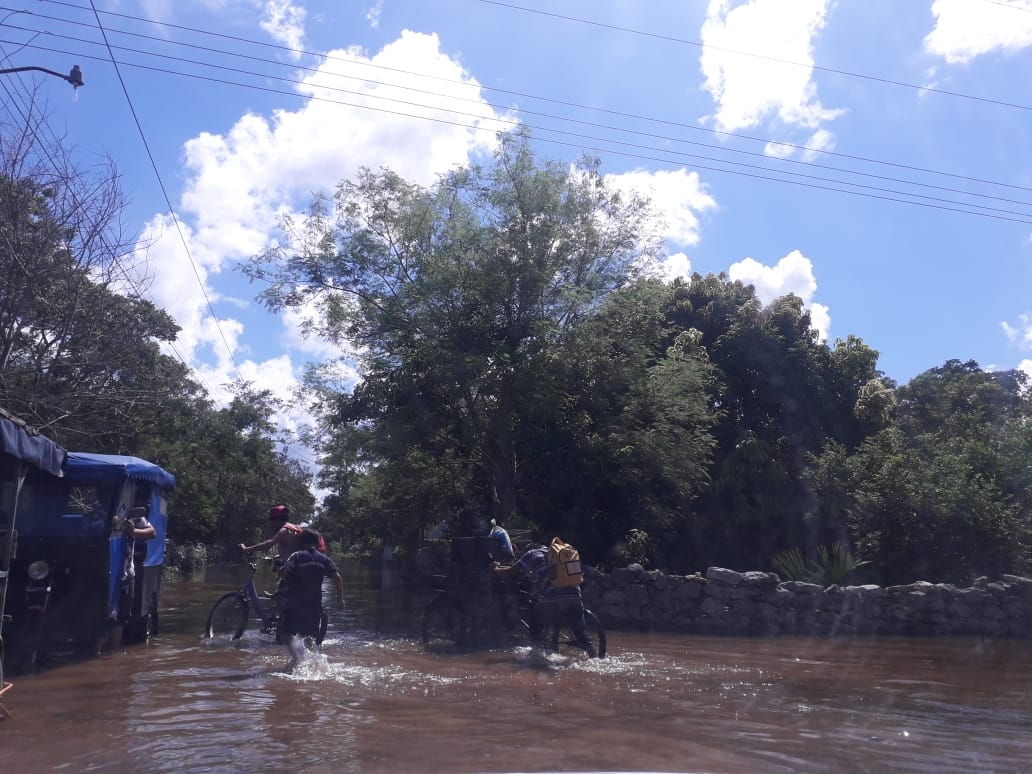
724	601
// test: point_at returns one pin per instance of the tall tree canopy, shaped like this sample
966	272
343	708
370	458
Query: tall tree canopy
942	492
517	360
782	395
463	303
78	356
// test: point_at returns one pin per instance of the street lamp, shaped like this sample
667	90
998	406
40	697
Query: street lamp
74	77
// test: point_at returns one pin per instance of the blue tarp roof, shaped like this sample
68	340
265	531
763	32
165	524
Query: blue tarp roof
39	451
113	467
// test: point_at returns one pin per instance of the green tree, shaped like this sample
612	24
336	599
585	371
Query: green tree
80	350
458	301
231	467
629	443
940	494
78	357
782	396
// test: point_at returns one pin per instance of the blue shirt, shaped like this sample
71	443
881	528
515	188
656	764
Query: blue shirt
499	534
535	563
304	572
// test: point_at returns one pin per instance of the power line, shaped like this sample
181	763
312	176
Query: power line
834	71
353	63
837	182
127	278
885	195
164	192
894	194
653	135
1008	5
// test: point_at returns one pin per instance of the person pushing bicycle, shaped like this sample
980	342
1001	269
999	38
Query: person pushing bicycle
303	572
555	603
285	538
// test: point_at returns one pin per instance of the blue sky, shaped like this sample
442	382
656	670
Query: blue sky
739	119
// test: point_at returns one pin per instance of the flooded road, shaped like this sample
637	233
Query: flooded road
374	701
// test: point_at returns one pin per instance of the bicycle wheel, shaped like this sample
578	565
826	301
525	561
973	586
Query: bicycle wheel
596	631
324	621
228	618
560	638
440	622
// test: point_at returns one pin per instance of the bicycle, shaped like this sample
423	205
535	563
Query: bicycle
455	620
458	617
231	613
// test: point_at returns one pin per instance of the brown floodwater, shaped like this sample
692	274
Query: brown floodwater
373	700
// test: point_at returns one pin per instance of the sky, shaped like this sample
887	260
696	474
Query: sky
873	158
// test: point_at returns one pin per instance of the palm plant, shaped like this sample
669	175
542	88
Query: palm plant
832	566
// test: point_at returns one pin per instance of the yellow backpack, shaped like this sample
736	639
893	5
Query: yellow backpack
564	567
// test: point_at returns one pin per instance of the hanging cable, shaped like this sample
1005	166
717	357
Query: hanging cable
353	63
164	192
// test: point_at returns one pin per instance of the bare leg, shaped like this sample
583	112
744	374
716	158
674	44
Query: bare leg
296	649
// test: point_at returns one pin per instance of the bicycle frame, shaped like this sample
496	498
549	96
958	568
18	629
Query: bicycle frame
500	614
267	615
232	611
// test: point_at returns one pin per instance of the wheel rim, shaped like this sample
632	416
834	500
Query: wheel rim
228	618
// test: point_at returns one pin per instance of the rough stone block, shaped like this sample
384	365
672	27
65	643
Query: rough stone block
725	576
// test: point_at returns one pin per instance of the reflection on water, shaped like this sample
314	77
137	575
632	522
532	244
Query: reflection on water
374	701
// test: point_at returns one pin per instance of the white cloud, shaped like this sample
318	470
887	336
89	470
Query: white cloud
373	14
677	195
778	150
1026	366
1019	334
294	339
178	279
238	184
931	75
285	23
792	274
773	82
965	29
821	140
675	266
820	320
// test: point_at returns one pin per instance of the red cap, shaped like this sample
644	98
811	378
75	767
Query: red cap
279	513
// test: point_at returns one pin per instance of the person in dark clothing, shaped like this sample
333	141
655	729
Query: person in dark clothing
303	573
555	603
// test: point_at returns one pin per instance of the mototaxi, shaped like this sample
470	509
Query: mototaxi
68	556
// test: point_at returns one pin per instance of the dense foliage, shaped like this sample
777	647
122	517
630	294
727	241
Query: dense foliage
520	361
81	355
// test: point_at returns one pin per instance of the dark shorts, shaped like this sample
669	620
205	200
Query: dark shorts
304	622
560	609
